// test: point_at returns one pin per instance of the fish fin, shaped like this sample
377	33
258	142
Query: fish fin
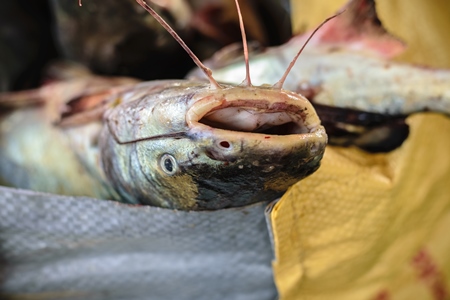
372	132
85	109
90	106
71	102
384	138
57	73
21	98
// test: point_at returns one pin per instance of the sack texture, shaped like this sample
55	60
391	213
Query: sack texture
58	247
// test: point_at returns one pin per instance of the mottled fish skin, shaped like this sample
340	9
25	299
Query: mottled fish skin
169	144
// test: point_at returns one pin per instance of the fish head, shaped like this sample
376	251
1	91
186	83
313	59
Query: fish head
208	149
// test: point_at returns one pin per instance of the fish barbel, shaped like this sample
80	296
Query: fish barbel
178	144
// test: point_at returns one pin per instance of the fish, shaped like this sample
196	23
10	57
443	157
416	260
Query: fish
348	72
178	144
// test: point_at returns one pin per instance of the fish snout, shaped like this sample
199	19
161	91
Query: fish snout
230	130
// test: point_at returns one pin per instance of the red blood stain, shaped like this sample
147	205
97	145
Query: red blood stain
382	295
430	275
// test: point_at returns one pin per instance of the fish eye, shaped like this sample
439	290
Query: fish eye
168	164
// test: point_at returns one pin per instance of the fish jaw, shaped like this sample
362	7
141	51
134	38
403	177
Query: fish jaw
253	144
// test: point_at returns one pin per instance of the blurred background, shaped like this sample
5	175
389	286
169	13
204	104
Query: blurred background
118	37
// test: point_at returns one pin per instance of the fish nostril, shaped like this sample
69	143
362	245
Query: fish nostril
225	144
314	148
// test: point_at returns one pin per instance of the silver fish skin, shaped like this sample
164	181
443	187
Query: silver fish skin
342	76
174	144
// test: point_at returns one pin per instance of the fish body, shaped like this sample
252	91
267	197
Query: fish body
336	75
176	144
361	97
348	64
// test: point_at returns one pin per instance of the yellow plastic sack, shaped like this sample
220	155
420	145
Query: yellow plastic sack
368	226
423	25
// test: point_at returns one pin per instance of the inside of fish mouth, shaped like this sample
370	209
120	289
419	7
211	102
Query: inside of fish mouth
255	120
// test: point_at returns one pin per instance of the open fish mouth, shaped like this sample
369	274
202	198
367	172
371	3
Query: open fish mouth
256	117
272	113
271	120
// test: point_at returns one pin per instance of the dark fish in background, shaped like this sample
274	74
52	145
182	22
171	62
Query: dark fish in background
112	37
115	38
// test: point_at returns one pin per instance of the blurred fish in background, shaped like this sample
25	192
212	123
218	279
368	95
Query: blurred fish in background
117	37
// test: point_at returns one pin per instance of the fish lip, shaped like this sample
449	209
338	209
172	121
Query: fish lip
267	100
